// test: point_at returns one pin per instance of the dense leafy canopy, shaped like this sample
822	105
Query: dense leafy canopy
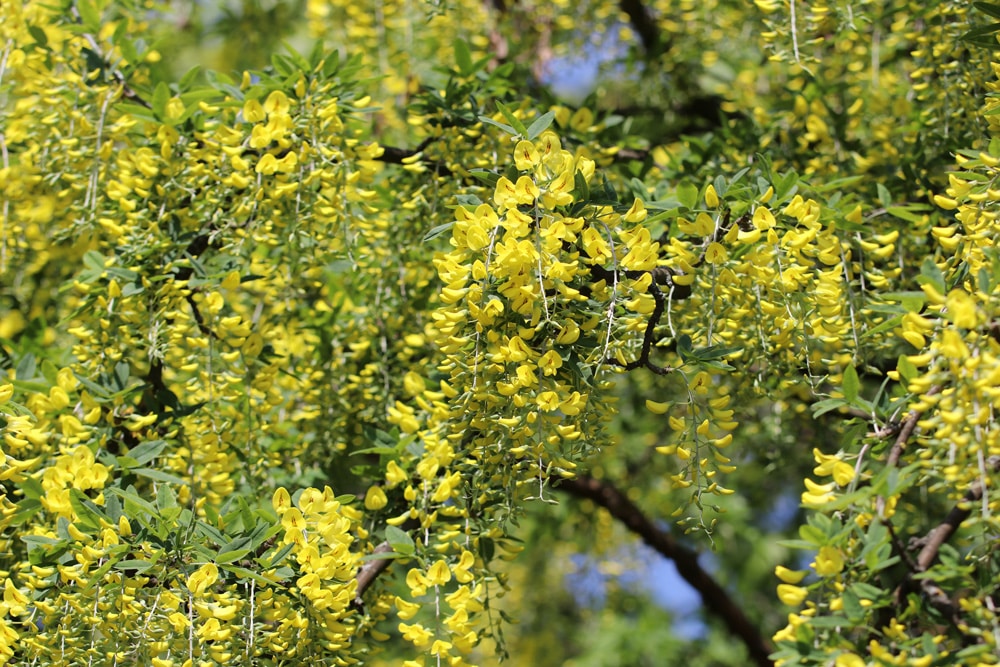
353	344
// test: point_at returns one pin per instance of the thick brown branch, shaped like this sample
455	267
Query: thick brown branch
370	571
717	601
644	24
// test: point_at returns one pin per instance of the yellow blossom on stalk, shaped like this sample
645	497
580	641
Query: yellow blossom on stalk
375	498
792	595
849	660
817	495
203	578
526	156
829	561
438	574
789	576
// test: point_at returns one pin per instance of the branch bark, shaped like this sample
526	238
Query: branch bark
959	513
369	572
643	23
715	598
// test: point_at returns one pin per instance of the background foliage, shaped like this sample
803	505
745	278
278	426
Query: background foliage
331	335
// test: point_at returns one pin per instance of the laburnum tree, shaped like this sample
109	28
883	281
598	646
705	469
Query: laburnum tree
354	344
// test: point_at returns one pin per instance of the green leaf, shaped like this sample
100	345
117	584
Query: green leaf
279	556
487	177
931	273
514	121
147	451
165	498
540	124
905	368
161	95
905	213
438	231
912	301
90	17
868	592
231	556
244	573
852	607
88	514
888	325
827	405
159	476
37	34
24	510
139	566
982	31
399	540
852	384
127	46
884	196
384	555
506	128
784	186
463	58
988	8
130	496
26	367
687	195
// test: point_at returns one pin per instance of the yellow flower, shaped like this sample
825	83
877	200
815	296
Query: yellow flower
417	582
550	362
962	309
657	408
281	500
203	578
462	569
405	609
438	574
711	197
14	600
763	219
525	156
715	253
582	120
792	596
817	495
276	103
416	633
525	190
829	562
253	111
267	165
375	498
637	213
849	660
394	474
789	576
548	401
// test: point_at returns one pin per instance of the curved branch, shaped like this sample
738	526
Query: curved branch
715	598
369	572
959	513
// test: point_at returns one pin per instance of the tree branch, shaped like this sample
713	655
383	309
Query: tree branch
369	572
643	23
959	513
715	598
